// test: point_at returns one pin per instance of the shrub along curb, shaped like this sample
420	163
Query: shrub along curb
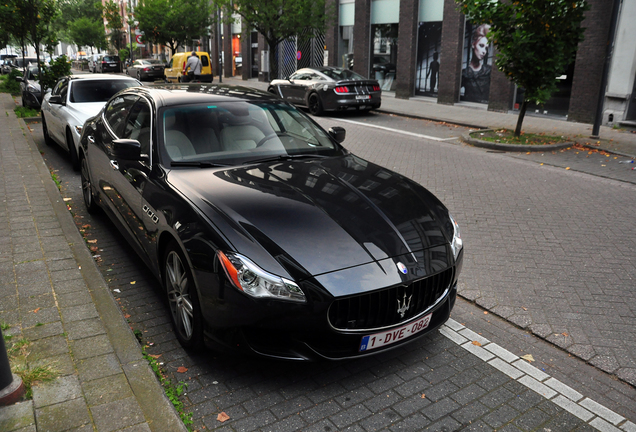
511	147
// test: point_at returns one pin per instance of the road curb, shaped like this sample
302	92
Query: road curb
158	411
512	147
434	119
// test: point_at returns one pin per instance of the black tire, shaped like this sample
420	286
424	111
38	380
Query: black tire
45	131
315	104
87	190
72	151
182	298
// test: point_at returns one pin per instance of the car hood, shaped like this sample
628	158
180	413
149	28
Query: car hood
324	215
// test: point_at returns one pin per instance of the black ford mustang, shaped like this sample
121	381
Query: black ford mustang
264	231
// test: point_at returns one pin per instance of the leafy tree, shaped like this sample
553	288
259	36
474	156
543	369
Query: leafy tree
535	40
85	32
115	24
278	20
71	10
39	14
13	18
58	68
173	22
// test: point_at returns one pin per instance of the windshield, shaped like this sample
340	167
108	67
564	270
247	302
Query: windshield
229	133
152	61
97	90
342	74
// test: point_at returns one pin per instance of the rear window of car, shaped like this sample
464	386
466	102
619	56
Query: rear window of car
204	61
111	58
98	91
341	74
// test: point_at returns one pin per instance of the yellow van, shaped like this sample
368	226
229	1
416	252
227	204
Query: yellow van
174	69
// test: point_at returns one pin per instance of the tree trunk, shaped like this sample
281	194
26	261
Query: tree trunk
522	114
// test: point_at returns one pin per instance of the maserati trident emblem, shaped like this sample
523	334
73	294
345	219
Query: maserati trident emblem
404	306
402	268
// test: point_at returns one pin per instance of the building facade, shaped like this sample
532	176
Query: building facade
426	48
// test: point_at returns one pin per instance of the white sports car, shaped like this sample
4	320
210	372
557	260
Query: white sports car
74	99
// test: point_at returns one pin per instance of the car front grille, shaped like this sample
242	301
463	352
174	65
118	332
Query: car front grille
379	308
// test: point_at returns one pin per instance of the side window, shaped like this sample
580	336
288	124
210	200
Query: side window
205	61
56	90
117	111
170	64
138	125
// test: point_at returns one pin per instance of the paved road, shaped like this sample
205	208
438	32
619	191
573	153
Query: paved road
524	225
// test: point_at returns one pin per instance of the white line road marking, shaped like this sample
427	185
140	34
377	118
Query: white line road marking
593	413
394	130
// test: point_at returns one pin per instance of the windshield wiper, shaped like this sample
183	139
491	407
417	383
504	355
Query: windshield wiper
199	164
285	158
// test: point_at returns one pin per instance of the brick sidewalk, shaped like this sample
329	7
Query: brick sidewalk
52	295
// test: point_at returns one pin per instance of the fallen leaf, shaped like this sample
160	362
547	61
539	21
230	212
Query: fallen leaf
133	282
524	308
91	241
86	226
222	417
182	369
36	310
565	334
127	316
423	396
567	168
67	199
94	248
476	343
485	312
155	356
528	357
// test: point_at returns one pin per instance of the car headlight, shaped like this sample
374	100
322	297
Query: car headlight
32	89
457	244
78	129
256	282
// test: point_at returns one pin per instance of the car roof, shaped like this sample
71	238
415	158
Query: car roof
183	94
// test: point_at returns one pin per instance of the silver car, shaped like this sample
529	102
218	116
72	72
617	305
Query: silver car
73	100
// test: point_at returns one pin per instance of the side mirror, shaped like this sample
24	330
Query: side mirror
127	149
19	79
55	99
338	133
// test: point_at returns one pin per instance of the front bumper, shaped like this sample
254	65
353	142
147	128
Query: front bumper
307	331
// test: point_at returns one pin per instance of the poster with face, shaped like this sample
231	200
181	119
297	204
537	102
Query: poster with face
476	63
429	41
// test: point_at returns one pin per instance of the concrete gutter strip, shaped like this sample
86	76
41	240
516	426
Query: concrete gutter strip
158	411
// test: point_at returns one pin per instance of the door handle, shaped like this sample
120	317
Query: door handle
91	139
114	165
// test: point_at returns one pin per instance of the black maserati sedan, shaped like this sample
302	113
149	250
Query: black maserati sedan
328	89
267	234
